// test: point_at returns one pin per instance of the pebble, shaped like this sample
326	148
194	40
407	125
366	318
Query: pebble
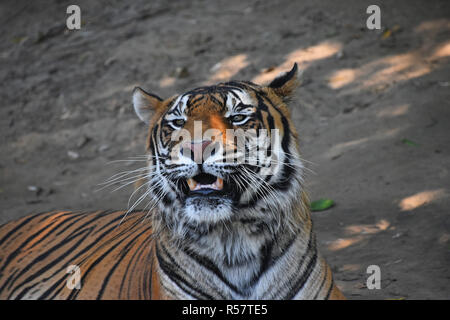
37	190
340	55
33	188
103	147
181	72
82	141
73	154
109	61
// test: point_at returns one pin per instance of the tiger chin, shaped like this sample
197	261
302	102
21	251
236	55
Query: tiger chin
229	220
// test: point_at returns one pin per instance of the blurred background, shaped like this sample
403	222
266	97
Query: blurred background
373	113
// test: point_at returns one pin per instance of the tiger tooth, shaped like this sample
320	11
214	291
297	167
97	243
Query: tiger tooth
192	184
219	183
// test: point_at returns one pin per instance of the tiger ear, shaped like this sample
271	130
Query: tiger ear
145	104
285	84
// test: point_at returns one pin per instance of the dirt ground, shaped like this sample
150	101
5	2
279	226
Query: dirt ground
373	113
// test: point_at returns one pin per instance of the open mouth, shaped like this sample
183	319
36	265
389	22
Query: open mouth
206	184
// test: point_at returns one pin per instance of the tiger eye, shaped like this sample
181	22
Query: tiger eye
238	118
178	122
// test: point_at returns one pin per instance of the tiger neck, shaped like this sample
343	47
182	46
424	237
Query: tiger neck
240	260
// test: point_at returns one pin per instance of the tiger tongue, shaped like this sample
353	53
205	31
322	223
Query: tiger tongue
194	185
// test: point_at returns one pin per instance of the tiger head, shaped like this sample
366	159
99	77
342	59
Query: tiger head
223	154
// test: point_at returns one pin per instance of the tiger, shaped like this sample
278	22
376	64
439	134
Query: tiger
217	228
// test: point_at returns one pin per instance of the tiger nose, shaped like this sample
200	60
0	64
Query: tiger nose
197	150
199	147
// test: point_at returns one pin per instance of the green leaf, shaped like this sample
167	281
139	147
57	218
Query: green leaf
322	204
410	143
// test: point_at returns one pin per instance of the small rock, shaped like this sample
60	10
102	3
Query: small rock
65	115
109	61
122	110
348	109
103	147
216	67
181	72
340	55
37	190
335	156
82	141
73	154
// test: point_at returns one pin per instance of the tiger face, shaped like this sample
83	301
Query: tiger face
222	154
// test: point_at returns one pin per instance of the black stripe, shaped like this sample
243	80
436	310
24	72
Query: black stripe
194	99
80	217
208	264
85	249
330	289
321	285
50	265
269	263
19	249
14	230
146	280
172	270
119	261
305	276
54	230
73	235
91	267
